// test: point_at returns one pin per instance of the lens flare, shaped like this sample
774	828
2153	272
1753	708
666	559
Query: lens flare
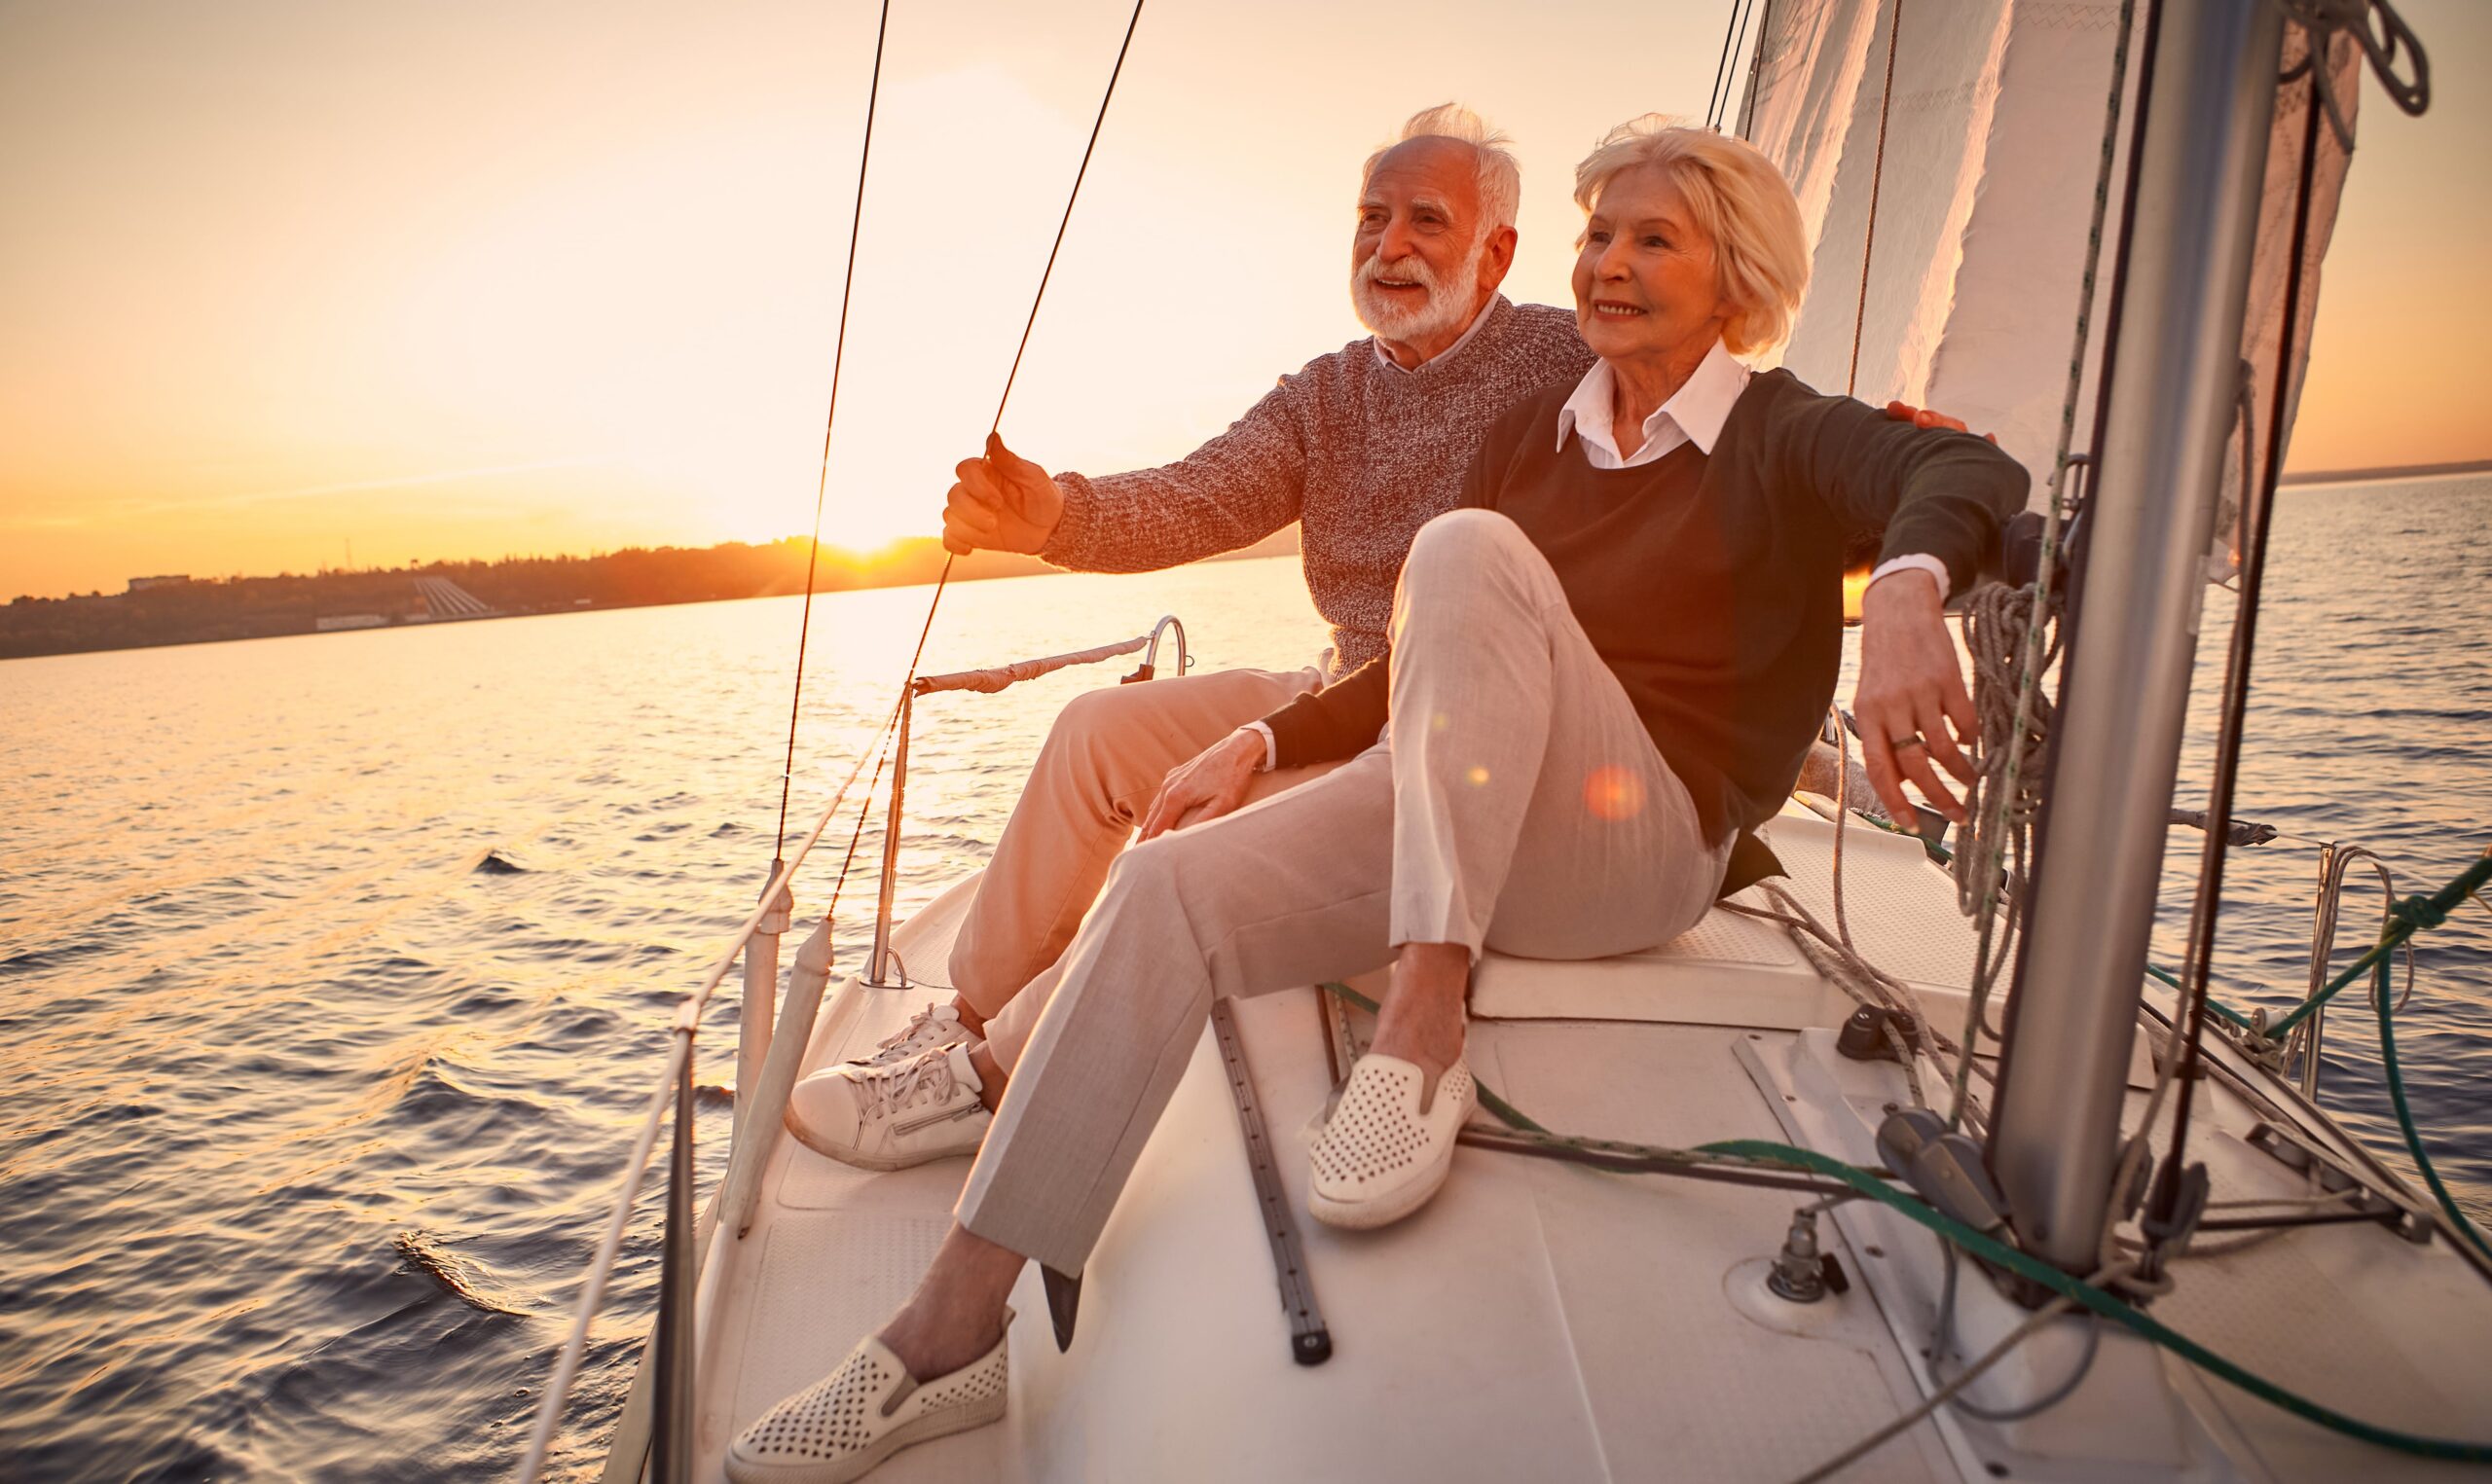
1613	793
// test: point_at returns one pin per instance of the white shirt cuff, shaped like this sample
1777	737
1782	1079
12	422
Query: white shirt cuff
1272	745
1914	563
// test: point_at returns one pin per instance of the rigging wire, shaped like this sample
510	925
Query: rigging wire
1722	63
996	423
1945	1345
689	1014
2002	817
2256	516
1731	85
1048	272
1877	176
687	1018
822	483
2060	518
1948	1392
1717	100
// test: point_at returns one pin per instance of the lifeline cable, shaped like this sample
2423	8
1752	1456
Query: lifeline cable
1731	83
1722	63
635	1165
996	424
1981	867
1877	175
2256	518
1039	298
822	483
689	1018
1717	101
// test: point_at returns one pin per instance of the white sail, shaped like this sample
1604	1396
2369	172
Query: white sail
1983	192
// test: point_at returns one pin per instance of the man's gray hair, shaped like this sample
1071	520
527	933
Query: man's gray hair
1500	173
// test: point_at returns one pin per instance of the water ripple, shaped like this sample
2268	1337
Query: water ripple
322	1080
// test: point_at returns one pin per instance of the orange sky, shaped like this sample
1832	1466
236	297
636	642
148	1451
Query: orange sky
466	279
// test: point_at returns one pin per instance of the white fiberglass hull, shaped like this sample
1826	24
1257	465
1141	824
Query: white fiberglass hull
1543	1321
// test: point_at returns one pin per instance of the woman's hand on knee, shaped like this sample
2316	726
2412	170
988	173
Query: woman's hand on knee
1212	784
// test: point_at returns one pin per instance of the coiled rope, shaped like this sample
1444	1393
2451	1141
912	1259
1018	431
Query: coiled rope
2013	654
1748	1156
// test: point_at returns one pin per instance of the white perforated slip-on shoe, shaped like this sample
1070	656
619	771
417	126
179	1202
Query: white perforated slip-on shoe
936	1024
891	1117
840	1427
1380	1158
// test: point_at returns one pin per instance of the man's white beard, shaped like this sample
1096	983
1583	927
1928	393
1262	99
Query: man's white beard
1449	307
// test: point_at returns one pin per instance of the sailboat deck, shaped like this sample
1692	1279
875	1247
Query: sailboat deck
1550	1321
1545	1320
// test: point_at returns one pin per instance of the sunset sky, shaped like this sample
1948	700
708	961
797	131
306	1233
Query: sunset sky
461	279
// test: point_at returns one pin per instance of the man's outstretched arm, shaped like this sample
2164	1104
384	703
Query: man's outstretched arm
1231	492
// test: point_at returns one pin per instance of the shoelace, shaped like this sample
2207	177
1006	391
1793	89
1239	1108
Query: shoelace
916	1024
887	1090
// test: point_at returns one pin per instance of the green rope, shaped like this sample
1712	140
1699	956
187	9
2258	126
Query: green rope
2109	1305
2410	916
1511	1117
2235	1017
2405	1117
1766	1154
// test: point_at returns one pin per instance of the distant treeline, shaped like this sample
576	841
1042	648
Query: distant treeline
2384	472
196	610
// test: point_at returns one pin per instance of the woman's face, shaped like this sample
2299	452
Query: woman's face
1645	282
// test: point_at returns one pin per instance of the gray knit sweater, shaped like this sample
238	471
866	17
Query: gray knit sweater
1360	454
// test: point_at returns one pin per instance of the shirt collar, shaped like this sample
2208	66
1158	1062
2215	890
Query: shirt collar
1700	407
1477	320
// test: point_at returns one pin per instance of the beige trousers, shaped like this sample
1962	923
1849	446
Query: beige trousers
1096	775
1517	804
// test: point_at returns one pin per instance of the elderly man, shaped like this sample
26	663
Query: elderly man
1613	657
1360	446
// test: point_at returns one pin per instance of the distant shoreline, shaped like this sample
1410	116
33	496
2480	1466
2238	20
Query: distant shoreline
2385	472
162	612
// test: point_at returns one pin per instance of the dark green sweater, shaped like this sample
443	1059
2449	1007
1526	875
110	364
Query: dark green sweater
1712	585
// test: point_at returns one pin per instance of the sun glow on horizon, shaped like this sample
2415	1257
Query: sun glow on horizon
531	297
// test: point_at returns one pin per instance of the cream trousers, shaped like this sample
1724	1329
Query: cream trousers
1096	775
1517	803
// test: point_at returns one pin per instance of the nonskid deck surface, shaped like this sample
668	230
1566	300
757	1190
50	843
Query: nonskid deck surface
1536	1321
1541	1320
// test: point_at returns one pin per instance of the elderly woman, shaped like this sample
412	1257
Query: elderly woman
1603	669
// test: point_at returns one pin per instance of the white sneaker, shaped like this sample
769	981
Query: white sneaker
937	1025
1380	1158
840	1427
890	1117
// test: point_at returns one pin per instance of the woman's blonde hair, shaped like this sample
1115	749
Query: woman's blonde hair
1760	250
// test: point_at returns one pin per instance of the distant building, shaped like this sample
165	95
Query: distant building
142	583
335	622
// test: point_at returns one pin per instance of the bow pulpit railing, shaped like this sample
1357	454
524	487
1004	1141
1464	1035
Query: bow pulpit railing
985	681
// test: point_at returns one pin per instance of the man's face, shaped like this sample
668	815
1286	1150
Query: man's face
1418	263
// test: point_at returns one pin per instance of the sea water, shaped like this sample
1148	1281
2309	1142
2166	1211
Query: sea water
336	971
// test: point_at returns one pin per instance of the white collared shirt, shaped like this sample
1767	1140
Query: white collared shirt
1694	414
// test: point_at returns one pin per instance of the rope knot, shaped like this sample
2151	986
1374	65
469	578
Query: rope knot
2421	913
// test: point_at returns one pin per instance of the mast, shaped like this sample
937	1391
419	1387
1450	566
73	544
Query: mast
2138	590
